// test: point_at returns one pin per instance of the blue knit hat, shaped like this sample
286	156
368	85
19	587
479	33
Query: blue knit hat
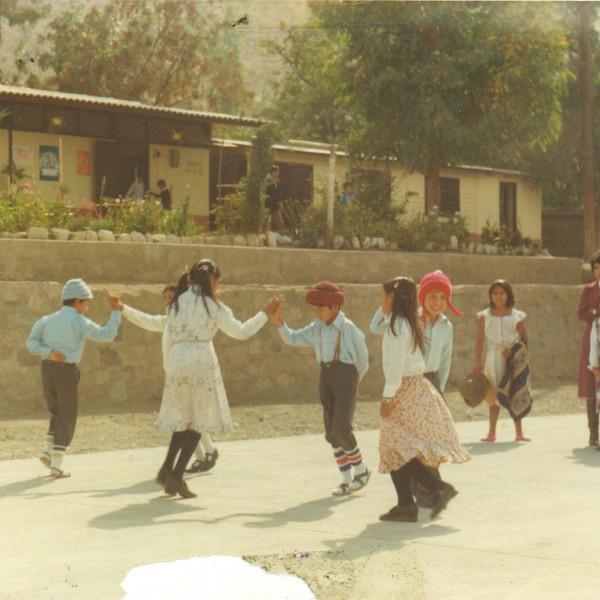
76	289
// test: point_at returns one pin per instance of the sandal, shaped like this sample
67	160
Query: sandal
59	473
210	459
522	438
45	459
341	490
359	481
489	438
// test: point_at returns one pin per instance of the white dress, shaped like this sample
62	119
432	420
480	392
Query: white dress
194	396
500	333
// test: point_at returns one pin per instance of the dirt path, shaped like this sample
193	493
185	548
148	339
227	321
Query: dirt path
21	438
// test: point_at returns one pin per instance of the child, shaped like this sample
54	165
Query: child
206	453
500	328
341	351
59	339
594	367
417	430
194	398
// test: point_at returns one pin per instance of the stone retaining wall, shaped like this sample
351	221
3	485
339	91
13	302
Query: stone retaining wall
128	374
130	263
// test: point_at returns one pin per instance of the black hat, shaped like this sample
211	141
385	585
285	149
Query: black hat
474	389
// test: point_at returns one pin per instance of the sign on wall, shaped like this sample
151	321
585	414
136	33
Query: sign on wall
23	155
49	163
84	164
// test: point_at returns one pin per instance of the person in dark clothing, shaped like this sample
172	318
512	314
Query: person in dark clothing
164	194
273	200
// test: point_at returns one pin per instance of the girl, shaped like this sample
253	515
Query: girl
194	398
588	309
500	327
417	430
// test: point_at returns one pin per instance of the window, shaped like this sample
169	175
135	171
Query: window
449	195
508	205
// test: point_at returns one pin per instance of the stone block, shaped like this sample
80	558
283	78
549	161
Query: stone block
37	233
91	236
124	237
137	237
239	240
78	236
173	239
104	235
57	233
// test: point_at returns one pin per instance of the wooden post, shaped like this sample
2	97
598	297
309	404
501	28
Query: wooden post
330	196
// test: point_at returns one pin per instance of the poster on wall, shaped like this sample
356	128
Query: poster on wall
23	155
49	163
84	164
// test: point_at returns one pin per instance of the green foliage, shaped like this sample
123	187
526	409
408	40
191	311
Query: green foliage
228	213
158	52
430	232
178	221
58	213
21	208
259	164
507	241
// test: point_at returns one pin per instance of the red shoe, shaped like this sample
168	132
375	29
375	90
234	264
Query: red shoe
522	438
489	438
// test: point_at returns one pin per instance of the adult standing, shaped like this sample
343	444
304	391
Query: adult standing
273	199
164	194
588	309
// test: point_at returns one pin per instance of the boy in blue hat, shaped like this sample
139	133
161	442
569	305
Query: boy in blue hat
59	339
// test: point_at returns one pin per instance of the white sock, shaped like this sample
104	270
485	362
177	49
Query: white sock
207	443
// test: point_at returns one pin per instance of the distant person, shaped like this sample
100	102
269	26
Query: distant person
59	339
273	200
164	194
347	196
588	309
136	190
502	332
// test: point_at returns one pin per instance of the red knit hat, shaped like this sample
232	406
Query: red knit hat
436	281
325	293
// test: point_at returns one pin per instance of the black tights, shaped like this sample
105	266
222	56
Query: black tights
592	416
417	471
183	443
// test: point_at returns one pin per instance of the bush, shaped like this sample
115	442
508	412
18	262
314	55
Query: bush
21	208
228	214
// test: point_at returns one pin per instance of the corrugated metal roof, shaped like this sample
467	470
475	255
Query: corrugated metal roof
290	147
64	99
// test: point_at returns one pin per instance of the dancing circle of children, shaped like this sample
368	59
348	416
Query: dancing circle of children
59	339
341	351
194	398
417	430
206	453
500	327
435	295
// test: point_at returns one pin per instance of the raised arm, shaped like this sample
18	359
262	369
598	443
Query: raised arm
144	320
236	329
379	322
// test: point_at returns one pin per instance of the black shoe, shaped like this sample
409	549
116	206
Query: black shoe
210	458
442	498
174	486
163	475
407	514
195	468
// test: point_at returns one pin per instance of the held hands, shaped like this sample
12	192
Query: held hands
277	315
273	305
115	302
386	408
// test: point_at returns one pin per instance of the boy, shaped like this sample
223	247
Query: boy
59	339
341	350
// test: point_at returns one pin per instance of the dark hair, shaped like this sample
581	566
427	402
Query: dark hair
198	280
274	168
161	182
405	304
347	183
69	302
594	259
510	295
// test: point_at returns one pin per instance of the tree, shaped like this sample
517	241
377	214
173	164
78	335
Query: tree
435	84
159	52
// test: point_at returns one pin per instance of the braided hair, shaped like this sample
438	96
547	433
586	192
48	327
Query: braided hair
405	305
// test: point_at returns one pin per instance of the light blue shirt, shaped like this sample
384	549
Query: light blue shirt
438	343
323	337
66	331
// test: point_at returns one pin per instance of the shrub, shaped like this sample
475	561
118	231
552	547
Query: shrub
228	214
21	208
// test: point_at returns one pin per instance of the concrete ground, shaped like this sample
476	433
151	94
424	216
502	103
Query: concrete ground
525	524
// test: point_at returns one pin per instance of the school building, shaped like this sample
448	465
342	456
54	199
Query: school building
97	146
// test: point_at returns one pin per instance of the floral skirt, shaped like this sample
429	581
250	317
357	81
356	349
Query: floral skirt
194	396
420	426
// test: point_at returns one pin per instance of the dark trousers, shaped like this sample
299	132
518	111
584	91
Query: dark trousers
337	390
60	382
416	471
592	416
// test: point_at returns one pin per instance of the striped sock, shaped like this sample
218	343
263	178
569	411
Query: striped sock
58	455
46	455
356	460
343	464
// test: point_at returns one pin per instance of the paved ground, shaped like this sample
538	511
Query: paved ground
524	525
